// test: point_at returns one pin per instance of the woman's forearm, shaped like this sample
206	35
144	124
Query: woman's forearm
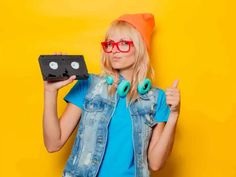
51	125
162	149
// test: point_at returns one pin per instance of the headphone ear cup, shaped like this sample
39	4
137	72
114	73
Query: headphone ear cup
123	88
144	86
109	80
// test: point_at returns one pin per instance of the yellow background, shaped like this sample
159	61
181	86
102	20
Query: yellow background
194	42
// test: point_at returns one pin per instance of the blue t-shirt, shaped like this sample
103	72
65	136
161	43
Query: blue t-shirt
120	131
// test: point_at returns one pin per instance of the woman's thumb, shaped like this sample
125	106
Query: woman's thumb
71	79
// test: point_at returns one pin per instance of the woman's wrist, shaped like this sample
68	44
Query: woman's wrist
174	113
47	90
173	117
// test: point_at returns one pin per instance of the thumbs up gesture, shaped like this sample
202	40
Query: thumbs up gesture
173	97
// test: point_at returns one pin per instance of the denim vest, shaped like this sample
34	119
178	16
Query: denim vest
91	138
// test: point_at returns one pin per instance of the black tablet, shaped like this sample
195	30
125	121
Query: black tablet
61	67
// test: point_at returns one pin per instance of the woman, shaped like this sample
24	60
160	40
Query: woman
126	127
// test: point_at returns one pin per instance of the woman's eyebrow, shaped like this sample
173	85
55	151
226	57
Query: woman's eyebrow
108	39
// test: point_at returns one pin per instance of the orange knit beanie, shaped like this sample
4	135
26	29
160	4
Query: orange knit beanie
143	22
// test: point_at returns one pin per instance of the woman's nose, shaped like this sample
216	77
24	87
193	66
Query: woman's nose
115	49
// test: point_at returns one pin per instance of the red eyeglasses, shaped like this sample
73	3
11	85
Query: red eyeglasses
122	46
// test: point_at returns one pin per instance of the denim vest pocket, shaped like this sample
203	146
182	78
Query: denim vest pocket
149	120
95	104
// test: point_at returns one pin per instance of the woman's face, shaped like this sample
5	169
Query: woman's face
118	59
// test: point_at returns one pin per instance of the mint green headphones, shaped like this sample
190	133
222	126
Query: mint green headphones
124	86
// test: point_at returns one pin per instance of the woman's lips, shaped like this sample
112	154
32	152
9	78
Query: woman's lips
116	58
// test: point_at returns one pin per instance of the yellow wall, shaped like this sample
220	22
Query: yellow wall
194	43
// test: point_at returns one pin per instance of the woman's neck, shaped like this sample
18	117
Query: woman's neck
127	74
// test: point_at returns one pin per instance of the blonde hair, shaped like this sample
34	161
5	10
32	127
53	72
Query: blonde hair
142	67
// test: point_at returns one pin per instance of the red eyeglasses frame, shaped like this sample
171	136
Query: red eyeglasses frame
116	44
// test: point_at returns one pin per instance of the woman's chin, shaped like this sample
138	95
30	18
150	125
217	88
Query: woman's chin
119	67
116	66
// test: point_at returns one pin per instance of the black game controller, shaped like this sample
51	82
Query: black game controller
61	67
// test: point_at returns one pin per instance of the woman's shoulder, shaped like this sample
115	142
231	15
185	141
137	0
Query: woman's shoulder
94	76
158	89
